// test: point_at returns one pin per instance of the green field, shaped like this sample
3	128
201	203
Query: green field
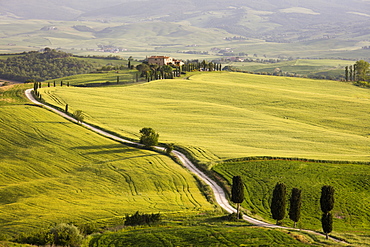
96	79
55	171
232	234
302	67
351	183
231	115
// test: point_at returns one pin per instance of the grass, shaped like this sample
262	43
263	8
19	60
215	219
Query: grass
96	79
230	115
304	67
55	171
233	235
351	183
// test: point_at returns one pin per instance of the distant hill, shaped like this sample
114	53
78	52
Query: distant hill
332	28
262	18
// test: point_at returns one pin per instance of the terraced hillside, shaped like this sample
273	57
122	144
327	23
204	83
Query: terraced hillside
55	171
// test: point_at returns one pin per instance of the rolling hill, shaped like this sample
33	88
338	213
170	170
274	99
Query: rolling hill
54	171
278	28
232	115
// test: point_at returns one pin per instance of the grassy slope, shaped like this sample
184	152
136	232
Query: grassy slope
300	66
351	183
55	171
97	78
235	115
205	235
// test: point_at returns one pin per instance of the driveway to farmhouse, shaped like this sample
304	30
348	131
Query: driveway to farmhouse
219	193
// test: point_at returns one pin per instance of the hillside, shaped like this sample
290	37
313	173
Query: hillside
232	115
55	171
273	28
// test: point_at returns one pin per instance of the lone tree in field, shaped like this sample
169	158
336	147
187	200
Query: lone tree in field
79	116
278	203
327	204
148	137
237	193
295	205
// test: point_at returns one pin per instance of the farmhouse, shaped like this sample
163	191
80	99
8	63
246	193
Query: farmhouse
163	60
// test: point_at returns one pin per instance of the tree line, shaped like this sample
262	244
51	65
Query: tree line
359	72
279	203
40	66
156	72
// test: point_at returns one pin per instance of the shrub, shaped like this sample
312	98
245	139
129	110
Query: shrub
142	219
66	235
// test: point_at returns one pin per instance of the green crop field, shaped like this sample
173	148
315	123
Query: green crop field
351	183
304	67
95	79
55	171
218	116
230	115
210	235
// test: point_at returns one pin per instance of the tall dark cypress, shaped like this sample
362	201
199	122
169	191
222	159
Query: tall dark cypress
327	224
327	204
237	192
295	205
278	203
327	199
346	73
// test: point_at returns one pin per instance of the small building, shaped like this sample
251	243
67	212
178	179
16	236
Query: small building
164	60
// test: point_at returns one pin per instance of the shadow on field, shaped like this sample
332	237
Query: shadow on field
111	146
111	149
52	122
128	158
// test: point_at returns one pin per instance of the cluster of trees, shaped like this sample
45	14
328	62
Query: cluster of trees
357	72
148	137
204	65
59	235
156	72
278	205
279	202
40	66
142	219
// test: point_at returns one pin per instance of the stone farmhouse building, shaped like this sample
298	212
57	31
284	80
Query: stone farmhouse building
164	60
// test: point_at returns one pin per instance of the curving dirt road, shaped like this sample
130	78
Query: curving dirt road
219	193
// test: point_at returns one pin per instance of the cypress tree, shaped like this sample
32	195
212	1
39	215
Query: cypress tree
237	192
327	199
346	72
295	205
327	204
278	203
327	223
354	72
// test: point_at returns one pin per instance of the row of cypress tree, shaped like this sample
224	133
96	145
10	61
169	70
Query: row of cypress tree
278	203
